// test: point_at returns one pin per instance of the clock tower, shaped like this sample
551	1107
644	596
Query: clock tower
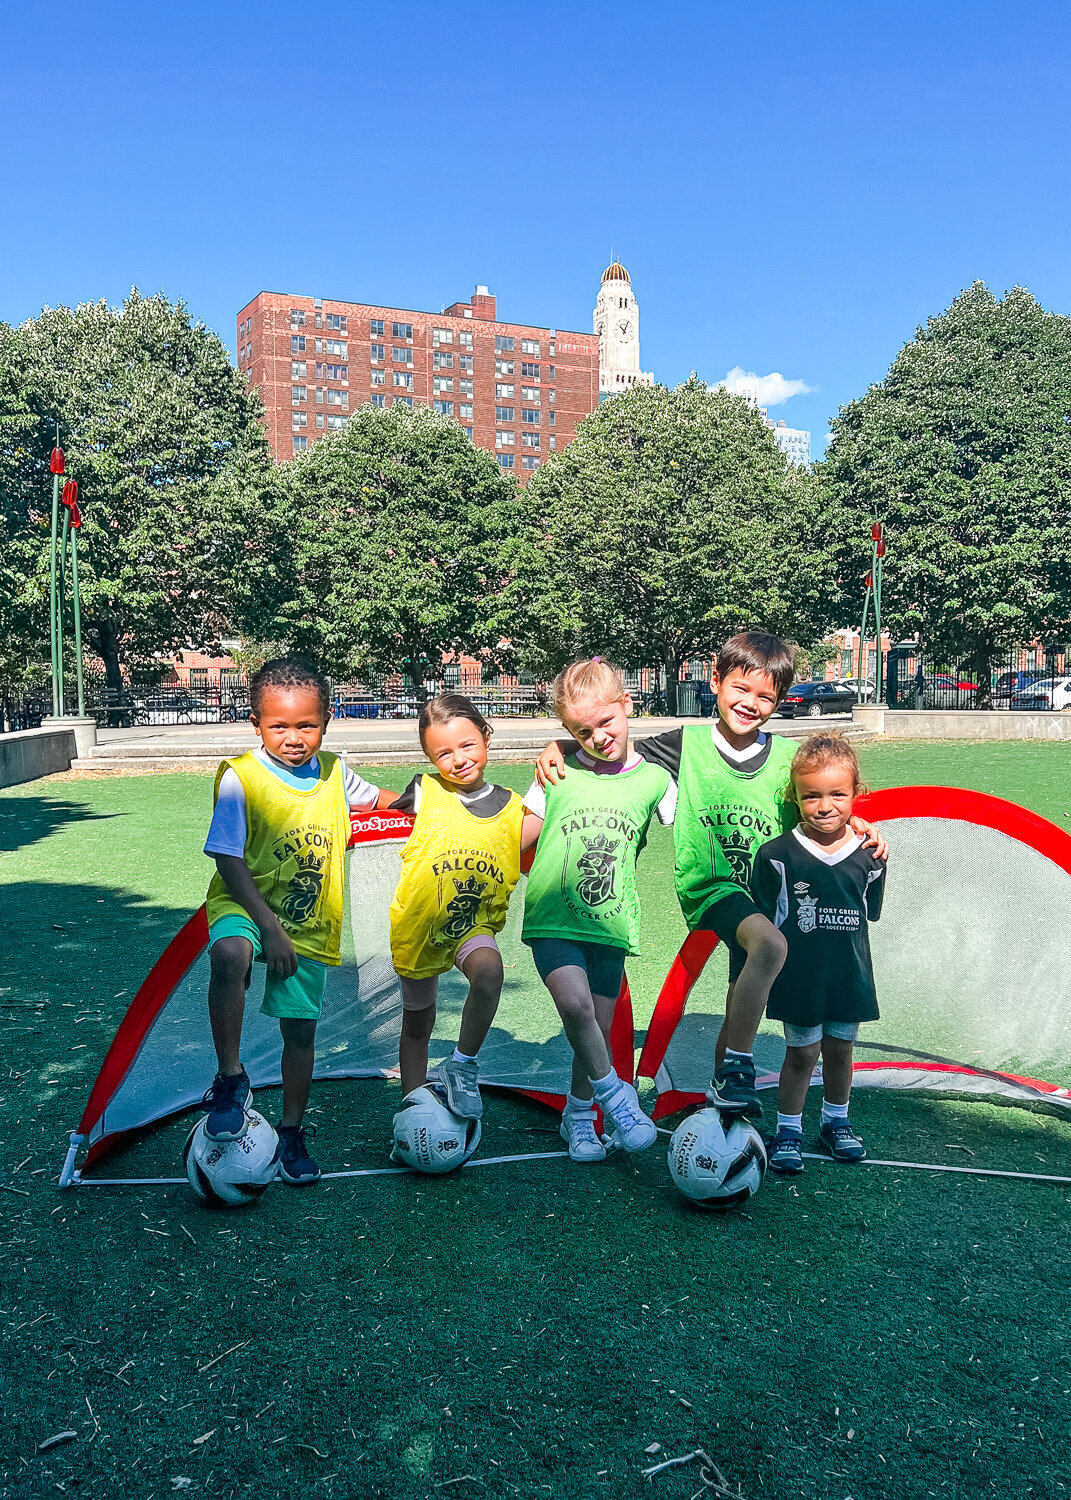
617	323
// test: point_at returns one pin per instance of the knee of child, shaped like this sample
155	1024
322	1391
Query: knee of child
230	959
418	1023
485	982
298	1032
770	951
805	1058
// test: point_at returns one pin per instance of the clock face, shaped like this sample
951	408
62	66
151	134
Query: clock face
623	329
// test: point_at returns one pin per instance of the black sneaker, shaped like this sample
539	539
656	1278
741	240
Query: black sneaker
732	1090
841	1141
785	1152
296	1166
227	1101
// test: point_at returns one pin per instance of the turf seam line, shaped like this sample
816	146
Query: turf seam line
485	1161
923	1166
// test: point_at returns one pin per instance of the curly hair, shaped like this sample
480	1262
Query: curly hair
827	748
290	672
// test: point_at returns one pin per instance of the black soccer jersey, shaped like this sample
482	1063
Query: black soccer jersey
821	903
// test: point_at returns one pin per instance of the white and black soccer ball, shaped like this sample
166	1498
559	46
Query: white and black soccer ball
227	1174
428	1136
714	1162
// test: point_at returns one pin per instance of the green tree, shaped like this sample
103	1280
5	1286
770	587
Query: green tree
964	451
671	521
397	527
152	418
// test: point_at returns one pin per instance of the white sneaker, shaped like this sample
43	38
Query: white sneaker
579	1133
620	1104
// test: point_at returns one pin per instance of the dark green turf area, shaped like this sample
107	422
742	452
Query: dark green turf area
863	1332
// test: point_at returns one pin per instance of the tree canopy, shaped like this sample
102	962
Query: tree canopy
152	416
964	451
671	521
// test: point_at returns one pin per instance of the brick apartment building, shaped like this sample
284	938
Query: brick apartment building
517	391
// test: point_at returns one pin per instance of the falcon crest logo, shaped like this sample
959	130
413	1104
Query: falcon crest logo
737	850
464	907
597	867
806	907
303	891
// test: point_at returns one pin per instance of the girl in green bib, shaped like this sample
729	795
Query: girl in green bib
581	910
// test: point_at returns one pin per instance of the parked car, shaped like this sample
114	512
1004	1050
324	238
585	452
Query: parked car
1010	683
1049	692
851	685
947	690
812	699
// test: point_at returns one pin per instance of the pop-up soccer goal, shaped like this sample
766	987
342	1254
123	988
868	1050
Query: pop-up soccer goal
973	983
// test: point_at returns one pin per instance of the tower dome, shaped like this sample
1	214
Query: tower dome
615	271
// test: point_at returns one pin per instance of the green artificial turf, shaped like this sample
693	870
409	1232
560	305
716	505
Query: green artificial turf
527	1329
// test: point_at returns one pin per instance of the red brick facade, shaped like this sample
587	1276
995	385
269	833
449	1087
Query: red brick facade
518	391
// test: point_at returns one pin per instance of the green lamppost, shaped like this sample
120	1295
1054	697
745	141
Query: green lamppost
56	466
72	521
873	590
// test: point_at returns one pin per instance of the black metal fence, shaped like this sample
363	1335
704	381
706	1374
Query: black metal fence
1024	679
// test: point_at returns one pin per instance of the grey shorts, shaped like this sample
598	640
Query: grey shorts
807	1036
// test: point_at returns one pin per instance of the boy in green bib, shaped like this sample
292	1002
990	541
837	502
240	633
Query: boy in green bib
731	781
581	910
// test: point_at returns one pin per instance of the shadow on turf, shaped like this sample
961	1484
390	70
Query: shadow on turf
28	820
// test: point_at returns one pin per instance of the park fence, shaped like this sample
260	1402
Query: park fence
1026	678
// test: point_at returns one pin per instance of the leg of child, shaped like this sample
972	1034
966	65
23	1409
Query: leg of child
483	970
571	993
836	1132
299	1055
604	1008
418	1022
796	1073
766	951
230	959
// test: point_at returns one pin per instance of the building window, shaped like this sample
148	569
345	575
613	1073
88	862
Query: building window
337	346
300	444
336	423
338	372
552	419
503	367
338	398
379	377
319	396
530	439
442	361
297	343
503	345
297	369
503	413
464	338
506	460
297	318
528	371
529	462
400	378
550	397
401	331
442	383
505	440
402	356
403	401
553	443
530	393
468	432
319	320
297	394
503	390
552	372
375	328
298	420
465	411
337	320
530	346
379	400
531	417
464	362
442	336
319	419
465	387
444	408
377	352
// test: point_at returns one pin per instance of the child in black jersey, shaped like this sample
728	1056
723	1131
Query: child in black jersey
820	887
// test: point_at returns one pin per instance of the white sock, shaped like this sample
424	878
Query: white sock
575	1106
460	1056
833	1111
604	1085
790	1122
731	1052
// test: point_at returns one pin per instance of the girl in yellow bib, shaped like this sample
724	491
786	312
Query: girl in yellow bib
459	869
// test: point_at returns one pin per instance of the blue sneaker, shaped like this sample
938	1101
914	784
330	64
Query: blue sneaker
841	1141
732	1090
227	1101
296	1166
786	1152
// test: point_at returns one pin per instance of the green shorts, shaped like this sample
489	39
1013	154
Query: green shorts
299	998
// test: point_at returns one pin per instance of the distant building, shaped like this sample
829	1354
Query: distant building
616	321
794	442
516	390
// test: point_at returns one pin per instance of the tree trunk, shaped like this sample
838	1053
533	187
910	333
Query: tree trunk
673	667
108	650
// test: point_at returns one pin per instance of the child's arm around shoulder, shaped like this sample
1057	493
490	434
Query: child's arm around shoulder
535	812
871	835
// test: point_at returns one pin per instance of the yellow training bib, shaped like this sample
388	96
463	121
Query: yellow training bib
295	848
458	872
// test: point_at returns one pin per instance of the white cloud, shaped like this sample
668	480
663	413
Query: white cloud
764	390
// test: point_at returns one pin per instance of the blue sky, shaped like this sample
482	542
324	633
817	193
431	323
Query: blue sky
794	187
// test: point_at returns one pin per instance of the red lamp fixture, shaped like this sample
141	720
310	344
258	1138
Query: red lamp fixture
55	462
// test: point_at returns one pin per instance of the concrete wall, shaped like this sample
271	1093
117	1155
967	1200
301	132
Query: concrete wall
30	753
962	724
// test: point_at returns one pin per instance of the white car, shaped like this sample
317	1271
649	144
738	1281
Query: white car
1049	692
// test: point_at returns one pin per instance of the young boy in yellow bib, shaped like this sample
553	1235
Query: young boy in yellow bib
280	827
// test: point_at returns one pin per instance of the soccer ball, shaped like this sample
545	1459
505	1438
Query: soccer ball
716	1163
227	1174
428	1136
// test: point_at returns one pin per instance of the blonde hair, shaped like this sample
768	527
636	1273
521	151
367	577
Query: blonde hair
594	681
827	748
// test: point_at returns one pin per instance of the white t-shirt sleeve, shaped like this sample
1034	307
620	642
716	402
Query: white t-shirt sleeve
227	831
668	805
535	800
360	794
